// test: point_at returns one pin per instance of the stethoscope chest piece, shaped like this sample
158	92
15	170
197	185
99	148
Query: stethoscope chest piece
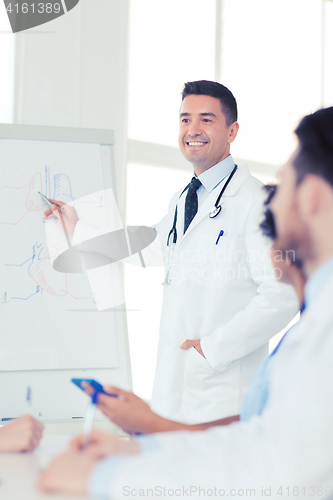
215	211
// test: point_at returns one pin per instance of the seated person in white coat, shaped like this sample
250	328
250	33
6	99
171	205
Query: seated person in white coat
21	434
220	295
286	450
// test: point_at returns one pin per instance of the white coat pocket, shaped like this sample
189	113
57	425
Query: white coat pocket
213	265
209	394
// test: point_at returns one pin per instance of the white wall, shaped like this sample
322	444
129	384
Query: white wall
72	72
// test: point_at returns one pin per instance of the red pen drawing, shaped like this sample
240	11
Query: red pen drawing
32	202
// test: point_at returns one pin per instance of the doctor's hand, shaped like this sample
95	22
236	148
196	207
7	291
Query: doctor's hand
128	411
60	210
21	434
193	343
102	444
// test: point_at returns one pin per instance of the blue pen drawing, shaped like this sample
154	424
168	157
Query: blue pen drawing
47	182
38	290
36	256
42	275
18	265
62	187
35	248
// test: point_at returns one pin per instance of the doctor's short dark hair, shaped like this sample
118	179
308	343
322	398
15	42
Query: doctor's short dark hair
214	89
315	137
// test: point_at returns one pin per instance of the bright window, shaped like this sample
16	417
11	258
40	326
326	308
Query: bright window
170	43
272	62
328	55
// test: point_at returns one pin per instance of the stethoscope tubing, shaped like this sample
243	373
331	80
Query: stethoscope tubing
213	213
217	206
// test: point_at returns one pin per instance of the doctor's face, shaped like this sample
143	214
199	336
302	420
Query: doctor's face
204	137
292	232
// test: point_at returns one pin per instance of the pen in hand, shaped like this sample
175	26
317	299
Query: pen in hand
49	204
89	420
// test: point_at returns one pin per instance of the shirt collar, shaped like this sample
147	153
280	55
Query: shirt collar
317	281
212	177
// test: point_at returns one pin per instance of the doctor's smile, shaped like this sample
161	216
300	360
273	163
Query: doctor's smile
205	132
196	144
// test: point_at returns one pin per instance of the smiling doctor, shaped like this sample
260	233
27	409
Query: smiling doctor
221	302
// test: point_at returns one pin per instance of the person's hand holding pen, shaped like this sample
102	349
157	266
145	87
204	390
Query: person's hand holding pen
70	472
127	411
102	444
59	210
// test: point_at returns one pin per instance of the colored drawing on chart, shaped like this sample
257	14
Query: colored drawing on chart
25	199
62	188
40	270
17	202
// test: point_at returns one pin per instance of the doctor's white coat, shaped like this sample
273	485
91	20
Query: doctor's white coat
224	293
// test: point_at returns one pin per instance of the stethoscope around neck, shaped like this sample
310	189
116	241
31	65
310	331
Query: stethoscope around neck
173	231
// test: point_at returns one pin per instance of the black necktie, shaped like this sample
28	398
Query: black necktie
191	202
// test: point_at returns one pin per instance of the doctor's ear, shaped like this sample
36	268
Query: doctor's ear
233	131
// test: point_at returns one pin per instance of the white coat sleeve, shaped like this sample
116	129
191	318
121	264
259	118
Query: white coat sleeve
268	312
152	255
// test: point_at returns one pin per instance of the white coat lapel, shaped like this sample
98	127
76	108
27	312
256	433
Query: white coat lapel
239	178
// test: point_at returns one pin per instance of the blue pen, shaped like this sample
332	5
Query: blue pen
219	236
29	398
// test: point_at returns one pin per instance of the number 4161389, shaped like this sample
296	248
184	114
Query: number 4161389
40	7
